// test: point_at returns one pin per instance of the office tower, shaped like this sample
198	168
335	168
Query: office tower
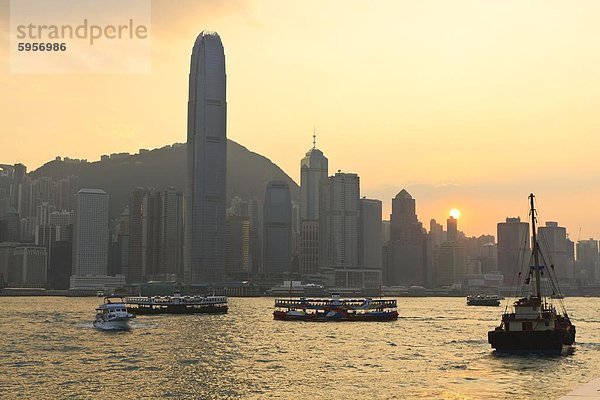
513	249
488	254
452	229
277	225
407	246
385	231
255	210
153	235
588	261
67	189
370	234
314	169
135	272
172	233
450	264
553	244
206	162
90	242
339	232
237	248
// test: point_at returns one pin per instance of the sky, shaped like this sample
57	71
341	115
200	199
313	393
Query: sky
466	104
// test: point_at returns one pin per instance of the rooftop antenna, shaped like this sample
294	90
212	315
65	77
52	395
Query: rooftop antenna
314	137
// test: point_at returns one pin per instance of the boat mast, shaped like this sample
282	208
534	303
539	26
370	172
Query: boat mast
536	257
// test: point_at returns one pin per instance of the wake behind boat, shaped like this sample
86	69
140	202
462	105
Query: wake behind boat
534	325
335	309
112	315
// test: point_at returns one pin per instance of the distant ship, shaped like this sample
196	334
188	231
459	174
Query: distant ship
335	309
483	300
534	325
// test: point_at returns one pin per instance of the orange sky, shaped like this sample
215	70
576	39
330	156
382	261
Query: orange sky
466	104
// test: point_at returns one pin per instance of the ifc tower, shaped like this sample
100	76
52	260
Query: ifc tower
206	162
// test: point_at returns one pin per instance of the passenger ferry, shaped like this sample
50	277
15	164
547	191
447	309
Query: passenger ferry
177	304
112	315
335	309
483	300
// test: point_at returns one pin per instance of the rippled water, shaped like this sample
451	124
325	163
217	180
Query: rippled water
437	349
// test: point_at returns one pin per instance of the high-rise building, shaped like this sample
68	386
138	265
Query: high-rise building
513	249
314	169
206	162
588	261
370	234
237	246
277	225
91	241
407	250
255	210
553	245
339	234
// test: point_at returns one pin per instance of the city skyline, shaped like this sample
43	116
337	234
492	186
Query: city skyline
455	137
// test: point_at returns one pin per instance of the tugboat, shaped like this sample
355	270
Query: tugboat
112	315
534	325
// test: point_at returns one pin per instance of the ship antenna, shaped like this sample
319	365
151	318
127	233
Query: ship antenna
314	137
536	257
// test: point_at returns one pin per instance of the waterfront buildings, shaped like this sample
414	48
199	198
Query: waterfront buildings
369	246
206	162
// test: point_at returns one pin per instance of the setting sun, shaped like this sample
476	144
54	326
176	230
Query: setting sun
455	213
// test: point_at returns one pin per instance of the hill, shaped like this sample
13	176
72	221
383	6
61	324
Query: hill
247	173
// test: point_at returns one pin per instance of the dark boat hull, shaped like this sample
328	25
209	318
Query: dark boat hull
177	309
376	317
547	342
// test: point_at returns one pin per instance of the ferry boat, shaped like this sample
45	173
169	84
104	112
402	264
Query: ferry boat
534	325
483	300
335	309
177	304
112	315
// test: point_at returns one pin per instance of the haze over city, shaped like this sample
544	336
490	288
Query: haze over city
467	105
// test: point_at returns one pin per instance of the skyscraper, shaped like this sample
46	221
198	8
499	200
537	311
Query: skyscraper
370	234
313	172
206	162
553	244
406	249
513	248
277	223
90	242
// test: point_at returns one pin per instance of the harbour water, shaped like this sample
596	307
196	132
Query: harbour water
437	349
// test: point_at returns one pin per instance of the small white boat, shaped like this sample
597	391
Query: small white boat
112	315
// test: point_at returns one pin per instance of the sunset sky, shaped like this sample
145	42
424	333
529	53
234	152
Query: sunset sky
466	104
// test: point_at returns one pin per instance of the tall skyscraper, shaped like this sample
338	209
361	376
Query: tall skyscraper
513	249
313	171
588	261
452	229
90	242
206	162
277	223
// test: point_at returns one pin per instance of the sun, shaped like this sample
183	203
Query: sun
455	213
